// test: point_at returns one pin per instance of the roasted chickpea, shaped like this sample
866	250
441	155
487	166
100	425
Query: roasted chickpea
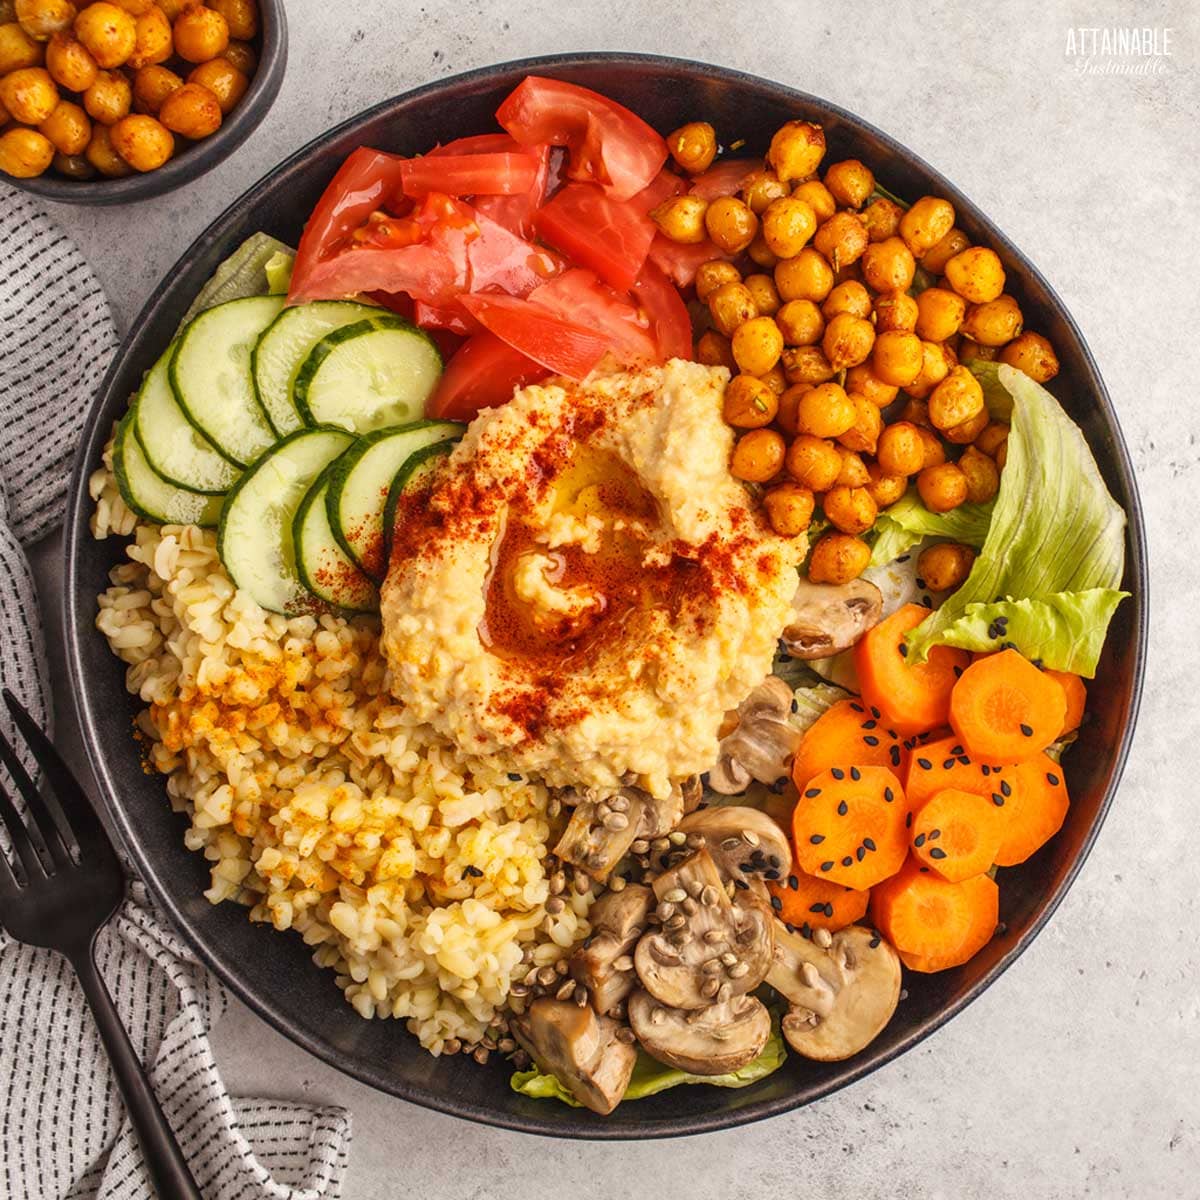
242	55
108	32
70	64
945	566
24	153
4	117
818	197
68	128
142	142
73	166
766	298
937	361
842	239
693	146
192	111
813	462
976	274
137	8
847	340
29	95
103	155
995	323
838	558
935	259
41	19
796	150
849	509
749	403
926	223
942	487
994	435
787	225
885	489
171	8
776	380
806	364
153	44
983	476
969	352
758	456
850	182
806	277
200	33
759	253
789	508
888	266
1033	354
17	51
8	12
854	471
714	350
901	449
849	297
730	224
800	322
681	218
895	311
761	188
863	380
882	219
242	18
109	98
825	411
958	398
710	276
863	435
940	314
897	357
935	452
731	305
967	431
915	412
151	86
757	345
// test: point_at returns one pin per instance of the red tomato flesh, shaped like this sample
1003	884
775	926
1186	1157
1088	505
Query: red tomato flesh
469	174
484	373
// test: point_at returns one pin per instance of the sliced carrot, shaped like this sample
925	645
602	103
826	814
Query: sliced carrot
849	826
1004	709
1075	690
913	697
806	900
848	735
934	924
945	763
1035	810
957	834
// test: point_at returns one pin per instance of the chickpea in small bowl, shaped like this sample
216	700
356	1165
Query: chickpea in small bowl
103	101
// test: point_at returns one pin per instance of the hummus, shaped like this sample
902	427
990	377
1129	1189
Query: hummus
586	590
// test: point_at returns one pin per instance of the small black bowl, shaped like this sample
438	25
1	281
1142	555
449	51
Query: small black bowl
192	161
274	975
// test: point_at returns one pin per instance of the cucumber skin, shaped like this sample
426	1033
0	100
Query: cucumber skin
310	498
414	463
122	478
322	350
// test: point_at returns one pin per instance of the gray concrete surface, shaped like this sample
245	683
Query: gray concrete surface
1078	1074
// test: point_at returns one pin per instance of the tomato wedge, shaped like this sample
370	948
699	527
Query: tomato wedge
679	262
662	187
469	174
559	345
666	311
605	235
514	212
607	144
725	178
483	373
579	296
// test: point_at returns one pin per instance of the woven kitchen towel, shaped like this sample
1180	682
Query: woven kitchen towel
62	1126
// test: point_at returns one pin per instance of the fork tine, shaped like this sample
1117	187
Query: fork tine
52	837
72	800
19	836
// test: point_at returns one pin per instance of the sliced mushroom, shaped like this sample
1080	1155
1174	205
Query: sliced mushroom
828	618
580	1048
603	964
761	743
707	1041
744	842
841	996
692	792
603	827
708	948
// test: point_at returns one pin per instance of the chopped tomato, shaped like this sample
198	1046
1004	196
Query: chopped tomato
469	174
479	143
483	373
662	187
578	296
607	144
725	178
514	212
605	235
666	311
451	316
679	261
559	345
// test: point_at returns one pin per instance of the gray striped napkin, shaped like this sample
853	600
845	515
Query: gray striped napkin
63	1130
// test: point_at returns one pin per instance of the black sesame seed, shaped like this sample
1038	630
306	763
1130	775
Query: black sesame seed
779	784
927	601
741	883
956	750
997	800
874	942
860	854
924	764
828	909
894	755
947	764
875	712
964	760
1027	730
746	868
855	774
514	777
1052	779
789	927
1002	622
776	904
919	840
1037	662
795	705
921	583
985	769
472	870
869	843
1008	645
813	793
888	794
924	870
817	908
870	724
908	820
793	882
958	672
856	707
806	930
1005	788
843	809
817	838
937	852
934	834
827	866
903	650
838	773
771	874
773	859
847	861
870	739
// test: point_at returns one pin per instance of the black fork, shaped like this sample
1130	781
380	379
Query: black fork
61	900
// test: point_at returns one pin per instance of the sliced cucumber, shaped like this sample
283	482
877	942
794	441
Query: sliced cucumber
366	376
175	449
360	481
151	497
255	539
323	566
285	344
413	477
210	376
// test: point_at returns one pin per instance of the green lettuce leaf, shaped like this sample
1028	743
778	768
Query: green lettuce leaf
1054	529
903	524
243	273
278	270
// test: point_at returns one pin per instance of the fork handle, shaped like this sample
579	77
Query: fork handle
168	1169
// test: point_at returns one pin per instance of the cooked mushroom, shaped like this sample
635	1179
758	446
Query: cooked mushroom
707	1041
841	995
828	618
708	949
692	792
760	744
580	1048
603	964
744	842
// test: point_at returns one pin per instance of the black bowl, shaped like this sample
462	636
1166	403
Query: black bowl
191	161
274	974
